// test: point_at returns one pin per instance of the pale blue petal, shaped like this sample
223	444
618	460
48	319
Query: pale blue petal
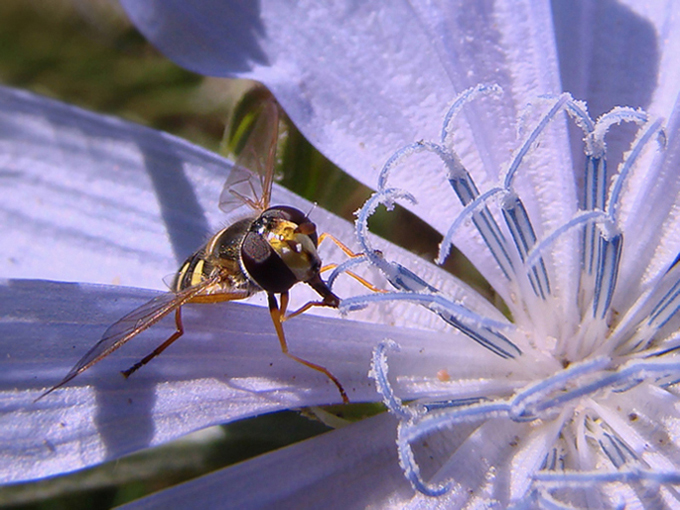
650	205
95	199
625	54
353	467
89	198
619	53
362	80
227	366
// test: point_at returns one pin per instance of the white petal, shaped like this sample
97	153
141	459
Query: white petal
625	54
383	79
227	366
90	198
620	53
651	216
486	481
353	467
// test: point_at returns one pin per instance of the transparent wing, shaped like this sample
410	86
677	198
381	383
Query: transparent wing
131	325
243	187
250	181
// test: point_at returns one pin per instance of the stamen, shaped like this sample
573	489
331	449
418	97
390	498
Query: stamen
595	144
551	460
588	478
344	267
486	226
454	166
481	329
566	403
561	101
591	217
667	346
467	192
447	404
523	234
462	99
663	302
539	391
404	279
386	197
513	209
378	372
459	179
578	111
604	248
619	454
442	419
595	186
535	402
394	160
666	308
595	181
412	470
436	301
407	281
632	372
651	130
607	273
399	276
469	196
517	408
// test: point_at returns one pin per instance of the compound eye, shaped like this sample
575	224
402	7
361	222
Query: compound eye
296	216
255	250
285	212
264	266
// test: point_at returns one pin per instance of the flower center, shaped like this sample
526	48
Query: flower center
596	349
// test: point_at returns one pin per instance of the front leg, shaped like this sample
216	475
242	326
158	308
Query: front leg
277	315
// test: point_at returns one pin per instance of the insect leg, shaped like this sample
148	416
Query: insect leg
303	309
350	254
338	243
358	278
178	333
277	319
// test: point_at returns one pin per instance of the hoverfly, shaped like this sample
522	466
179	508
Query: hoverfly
270	251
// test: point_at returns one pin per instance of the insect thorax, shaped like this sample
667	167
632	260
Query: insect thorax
221	254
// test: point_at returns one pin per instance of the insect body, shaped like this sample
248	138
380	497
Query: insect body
269	252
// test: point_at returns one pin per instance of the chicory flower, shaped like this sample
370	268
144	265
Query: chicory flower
580	384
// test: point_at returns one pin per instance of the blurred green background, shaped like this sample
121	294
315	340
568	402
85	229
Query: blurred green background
86	53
